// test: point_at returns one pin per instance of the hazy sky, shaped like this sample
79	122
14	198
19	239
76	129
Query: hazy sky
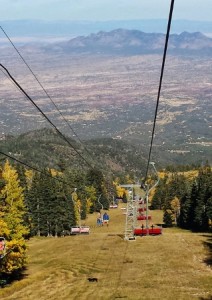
104	9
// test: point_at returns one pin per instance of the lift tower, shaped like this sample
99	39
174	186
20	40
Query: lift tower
131	214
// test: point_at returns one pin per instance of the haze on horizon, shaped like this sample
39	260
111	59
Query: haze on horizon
103	10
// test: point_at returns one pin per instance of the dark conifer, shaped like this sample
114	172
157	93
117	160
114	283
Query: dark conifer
96	179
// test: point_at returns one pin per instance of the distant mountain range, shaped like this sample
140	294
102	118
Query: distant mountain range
39	28
128	42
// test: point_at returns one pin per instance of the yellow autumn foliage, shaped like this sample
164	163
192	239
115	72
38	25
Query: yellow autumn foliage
120	191
88	205
4	230
29	175
15	258
11	221
90	197
55	172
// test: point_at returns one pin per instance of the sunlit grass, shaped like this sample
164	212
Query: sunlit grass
169	266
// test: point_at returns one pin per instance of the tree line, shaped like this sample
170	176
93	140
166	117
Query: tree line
186	201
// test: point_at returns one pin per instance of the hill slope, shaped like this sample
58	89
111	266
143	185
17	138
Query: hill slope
44	148
170	266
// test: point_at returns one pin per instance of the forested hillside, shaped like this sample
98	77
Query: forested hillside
44	148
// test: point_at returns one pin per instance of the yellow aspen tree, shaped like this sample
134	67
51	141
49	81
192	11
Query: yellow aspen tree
175	207
29	176
90	197
120	191
128	180
13	197
12	211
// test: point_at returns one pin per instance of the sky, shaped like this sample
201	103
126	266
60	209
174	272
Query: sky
102	10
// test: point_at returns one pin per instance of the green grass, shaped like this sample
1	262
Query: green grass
170	266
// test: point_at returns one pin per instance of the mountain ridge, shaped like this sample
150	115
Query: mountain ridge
18	28
124	41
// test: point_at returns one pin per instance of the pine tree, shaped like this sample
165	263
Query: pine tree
124	199
196	206
22	177
159	197
96	179
33	200
192	207
51	206
204	193
183	219
168	218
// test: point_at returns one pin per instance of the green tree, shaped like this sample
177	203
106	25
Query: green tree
96	179
184	218
203	203
196	206
51	206
160	195
168	218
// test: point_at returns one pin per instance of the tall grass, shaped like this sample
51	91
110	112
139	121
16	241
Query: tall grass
170	266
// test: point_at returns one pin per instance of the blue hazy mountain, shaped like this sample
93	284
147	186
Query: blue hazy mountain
39	28
133	42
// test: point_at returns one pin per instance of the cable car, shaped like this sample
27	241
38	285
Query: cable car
142	209
80	230
113	206
144	217
148	231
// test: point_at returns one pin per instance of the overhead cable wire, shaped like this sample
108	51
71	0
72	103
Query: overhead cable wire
36	169
6	75
160	84
45	91
45	116
31	167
